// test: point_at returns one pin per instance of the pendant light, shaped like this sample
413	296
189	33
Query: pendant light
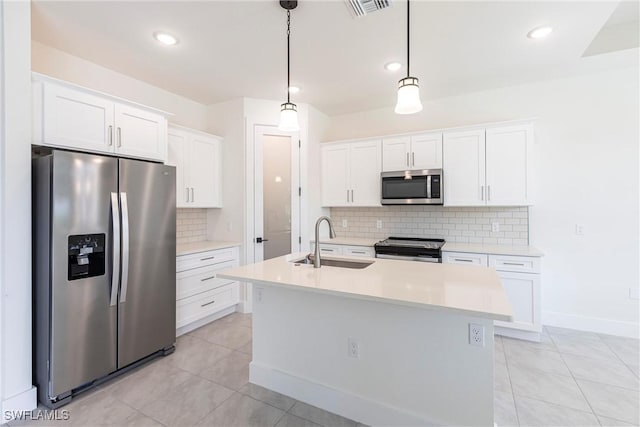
289	110
408	89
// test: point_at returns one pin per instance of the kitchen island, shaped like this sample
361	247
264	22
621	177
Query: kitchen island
385	344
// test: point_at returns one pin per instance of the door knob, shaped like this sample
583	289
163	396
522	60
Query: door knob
260	240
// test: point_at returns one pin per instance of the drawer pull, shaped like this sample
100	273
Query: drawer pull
207	278
358	252
519	264
207	303
463	260
204	259
326	250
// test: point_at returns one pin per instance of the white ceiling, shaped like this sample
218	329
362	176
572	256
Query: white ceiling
229	49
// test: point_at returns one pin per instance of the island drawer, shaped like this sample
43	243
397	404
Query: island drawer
198	280
202	259
198	306
464	258
519	264
329	249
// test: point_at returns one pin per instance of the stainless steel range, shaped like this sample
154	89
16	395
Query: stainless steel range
410	249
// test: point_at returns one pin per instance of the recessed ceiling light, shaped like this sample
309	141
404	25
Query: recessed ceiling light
294	89
392	66
165	38
540	32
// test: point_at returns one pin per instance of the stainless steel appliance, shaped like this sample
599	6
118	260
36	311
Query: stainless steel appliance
104	268
412	187
410	248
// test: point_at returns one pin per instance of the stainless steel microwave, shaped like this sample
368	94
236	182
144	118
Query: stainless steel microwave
412	187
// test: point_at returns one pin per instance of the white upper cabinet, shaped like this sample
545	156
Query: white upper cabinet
464	168
351	174
69	116
412	152
197	157
508	159
488	167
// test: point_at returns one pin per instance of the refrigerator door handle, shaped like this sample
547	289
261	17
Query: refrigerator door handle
115	273
125	247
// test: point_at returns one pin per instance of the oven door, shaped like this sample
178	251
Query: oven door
423	187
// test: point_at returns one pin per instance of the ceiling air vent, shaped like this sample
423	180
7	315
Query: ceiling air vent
363	7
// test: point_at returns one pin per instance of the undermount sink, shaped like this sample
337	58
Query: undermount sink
330	262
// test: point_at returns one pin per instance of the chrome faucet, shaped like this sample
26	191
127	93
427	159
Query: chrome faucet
316	259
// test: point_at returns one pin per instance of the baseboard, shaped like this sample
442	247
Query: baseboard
330	399
18	404
201	322
517	333
591	324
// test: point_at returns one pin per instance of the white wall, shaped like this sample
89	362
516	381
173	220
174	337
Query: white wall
61	65
586	173
16	390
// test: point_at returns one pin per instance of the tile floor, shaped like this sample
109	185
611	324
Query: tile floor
571	378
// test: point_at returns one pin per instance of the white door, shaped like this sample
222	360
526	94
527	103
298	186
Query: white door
176	149
426	151
204	160
140	133
335	175
523	292
76	119
464	168
507	165
396	154
365	165
277	193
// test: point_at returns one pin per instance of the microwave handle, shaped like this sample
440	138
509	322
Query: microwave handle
428	186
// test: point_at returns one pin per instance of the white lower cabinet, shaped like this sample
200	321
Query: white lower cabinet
520	278
200	294
346	250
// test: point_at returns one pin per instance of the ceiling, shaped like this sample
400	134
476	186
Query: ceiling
229	49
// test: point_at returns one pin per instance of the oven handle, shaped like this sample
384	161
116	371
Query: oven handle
408	258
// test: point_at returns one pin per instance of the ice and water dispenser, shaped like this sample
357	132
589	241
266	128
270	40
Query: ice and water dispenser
86	256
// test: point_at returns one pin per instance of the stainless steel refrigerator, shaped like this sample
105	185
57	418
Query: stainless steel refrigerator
104	268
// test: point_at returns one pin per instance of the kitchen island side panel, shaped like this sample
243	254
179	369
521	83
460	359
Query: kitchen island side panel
414	366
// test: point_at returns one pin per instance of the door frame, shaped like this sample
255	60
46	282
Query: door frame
260	131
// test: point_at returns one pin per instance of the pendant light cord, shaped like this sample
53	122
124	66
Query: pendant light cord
408	38
288	55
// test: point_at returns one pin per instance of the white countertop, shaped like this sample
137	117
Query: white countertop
349	241
492	249
471	290
207	245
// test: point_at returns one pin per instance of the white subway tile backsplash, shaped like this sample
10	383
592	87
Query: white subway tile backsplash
463	225
191	225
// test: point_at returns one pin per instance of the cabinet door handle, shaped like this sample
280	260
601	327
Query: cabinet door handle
413	158
351	196
462	260
110	135
207	278
208	303
193	199
482	192
407	158
347	196
488	193
187	188
119	137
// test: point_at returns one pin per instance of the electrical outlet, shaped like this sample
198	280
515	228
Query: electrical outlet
353	348
579	230
495	227
379	224
476	334
259	294
344	223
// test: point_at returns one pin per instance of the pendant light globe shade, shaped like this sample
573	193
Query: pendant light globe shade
289	117
408	96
